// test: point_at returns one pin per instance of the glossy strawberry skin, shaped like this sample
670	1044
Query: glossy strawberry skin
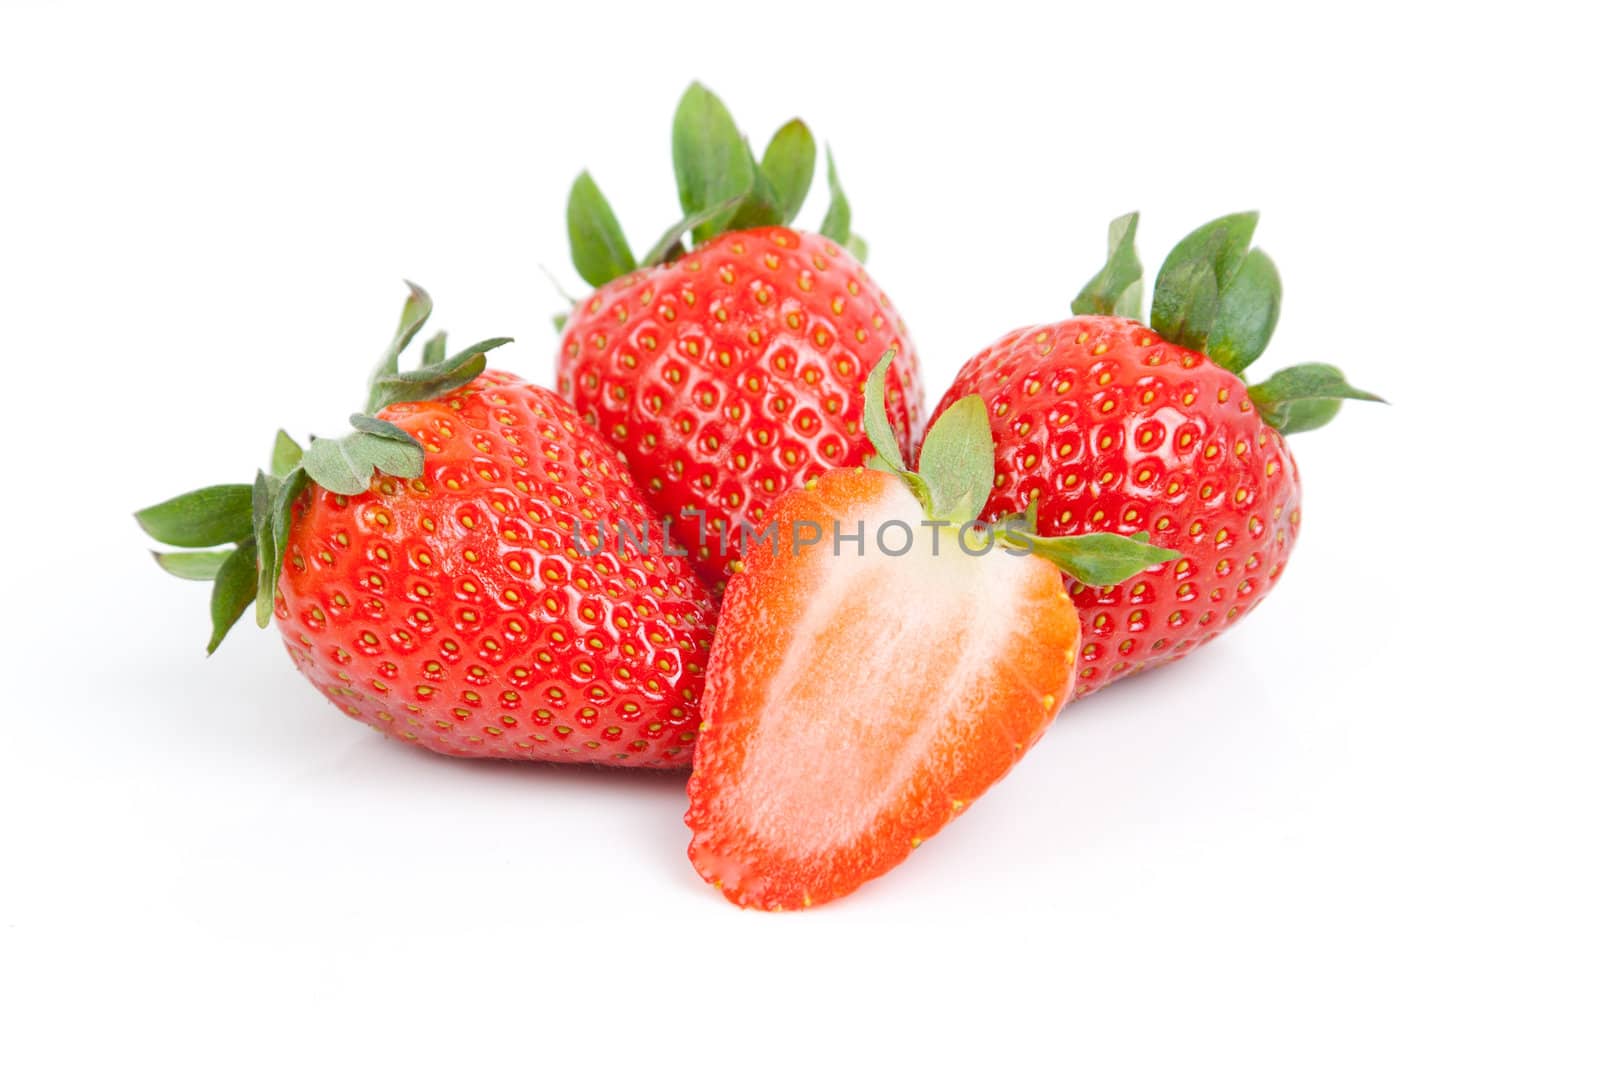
734	374
454	612
1117	430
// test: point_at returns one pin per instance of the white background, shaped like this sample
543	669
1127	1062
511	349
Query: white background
1361	828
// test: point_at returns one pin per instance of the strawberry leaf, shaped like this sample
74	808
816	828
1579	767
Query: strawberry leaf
1095	559
433	351
957	462
379	428
426	383
599	249
788	164
760	207
1305	397
876	416
1184	311
234	589
215	515
286	453
418	306
670	246
258	517
1198	271
1246	314
389	385
1119	287
836	223
272	533
875	419
262	495
345	465
712	162
192	566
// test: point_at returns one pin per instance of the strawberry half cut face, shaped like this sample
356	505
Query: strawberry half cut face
880	661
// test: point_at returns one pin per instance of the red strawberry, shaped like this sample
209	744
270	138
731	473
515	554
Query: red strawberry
730	373
1104	424
429	581
861	693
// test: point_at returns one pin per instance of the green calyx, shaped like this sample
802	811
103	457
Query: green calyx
1217	295
955	474
255	518
722	187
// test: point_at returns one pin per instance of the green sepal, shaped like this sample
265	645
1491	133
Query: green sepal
370	424
560	319
433	351
1195	275
856	245
437	375
1247	313
215	515
262	496
712	162
1118	289
232	591
345	465
789	164
1305	397
599	248
274	508
426	383
418	306
957	462
192	566
286	453
1027	519
1094	559
875	420
670	246
1185	316
257	517
760	207
836	223
954	478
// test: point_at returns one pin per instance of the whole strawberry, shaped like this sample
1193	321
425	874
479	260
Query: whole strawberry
444	573
1104	424
731	371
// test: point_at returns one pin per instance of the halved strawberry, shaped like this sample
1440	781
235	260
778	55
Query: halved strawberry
879	663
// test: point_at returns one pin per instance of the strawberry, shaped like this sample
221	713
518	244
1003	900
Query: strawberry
879	666
731	372
1105	424
439	576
